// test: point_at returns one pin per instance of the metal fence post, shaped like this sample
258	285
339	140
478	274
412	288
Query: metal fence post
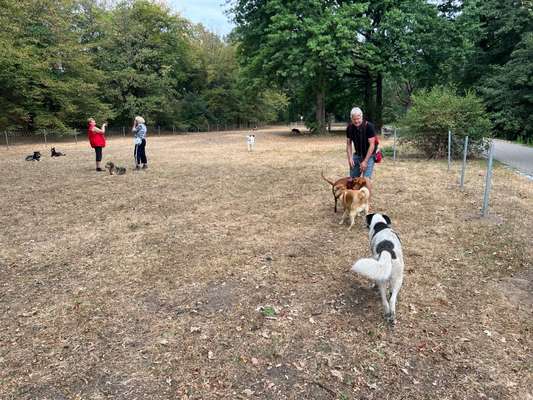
158	130
488	182
464	163
76	136
449	149
7	141
394	146
124	131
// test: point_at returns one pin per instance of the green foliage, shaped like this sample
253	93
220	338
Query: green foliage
438	110
298	44
268	311
499	62
387	151
145	54
48	80
508	91
62	61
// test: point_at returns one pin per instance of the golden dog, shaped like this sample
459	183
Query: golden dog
355	203
342	184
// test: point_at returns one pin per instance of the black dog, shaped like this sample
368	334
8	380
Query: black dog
36	156
56	153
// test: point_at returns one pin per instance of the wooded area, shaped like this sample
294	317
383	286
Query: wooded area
62	61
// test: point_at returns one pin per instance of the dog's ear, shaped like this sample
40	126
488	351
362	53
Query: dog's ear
387	219
369	219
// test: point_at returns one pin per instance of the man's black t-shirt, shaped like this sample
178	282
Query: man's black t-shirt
360	135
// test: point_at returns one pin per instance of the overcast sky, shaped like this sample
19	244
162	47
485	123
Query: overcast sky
209	12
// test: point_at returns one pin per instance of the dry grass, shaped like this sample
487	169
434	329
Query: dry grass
149	285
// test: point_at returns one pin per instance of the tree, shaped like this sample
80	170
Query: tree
412	45
495	27
508	91
48	79
307	42
497	67
146	55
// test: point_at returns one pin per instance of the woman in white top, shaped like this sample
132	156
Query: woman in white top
139	130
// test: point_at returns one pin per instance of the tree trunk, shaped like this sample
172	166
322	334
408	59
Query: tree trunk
321	107
379	102
368	112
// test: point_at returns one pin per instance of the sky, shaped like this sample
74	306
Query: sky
208	12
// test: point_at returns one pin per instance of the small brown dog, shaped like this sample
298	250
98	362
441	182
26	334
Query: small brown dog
342	184
113	169
355	203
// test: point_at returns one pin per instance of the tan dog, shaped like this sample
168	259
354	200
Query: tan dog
342	184
355	203
113	169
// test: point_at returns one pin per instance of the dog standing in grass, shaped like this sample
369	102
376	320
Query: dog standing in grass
355	203
338	186
250	141
386	265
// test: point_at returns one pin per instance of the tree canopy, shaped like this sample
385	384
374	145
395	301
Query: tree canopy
62	61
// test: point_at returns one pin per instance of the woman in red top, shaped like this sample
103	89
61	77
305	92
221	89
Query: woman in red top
97	140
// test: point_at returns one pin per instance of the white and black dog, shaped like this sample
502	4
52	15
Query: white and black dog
386	265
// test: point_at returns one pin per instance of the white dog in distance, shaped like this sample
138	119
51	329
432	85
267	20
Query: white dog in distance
250	141
386	265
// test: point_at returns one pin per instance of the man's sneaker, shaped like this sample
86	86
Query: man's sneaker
99	169
145	166
137	167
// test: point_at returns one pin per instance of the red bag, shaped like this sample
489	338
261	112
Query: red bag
378	156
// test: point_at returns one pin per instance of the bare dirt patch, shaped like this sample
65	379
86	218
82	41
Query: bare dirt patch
219	273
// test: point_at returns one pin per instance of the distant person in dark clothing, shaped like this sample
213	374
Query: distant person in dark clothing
360	146
139	131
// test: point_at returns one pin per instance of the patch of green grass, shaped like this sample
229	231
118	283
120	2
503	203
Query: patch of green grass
268	311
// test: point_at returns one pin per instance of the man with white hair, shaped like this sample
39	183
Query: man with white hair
362	135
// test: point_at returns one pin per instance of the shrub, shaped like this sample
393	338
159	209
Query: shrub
387	151
435	111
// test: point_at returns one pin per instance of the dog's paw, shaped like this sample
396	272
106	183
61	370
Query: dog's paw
391	318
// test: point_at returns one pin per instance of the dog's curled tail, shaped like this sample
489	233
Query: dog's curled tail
379	270
326	179
364	193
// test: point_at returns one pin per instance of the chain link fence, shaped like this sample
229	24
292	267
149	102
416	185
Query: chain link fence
44	136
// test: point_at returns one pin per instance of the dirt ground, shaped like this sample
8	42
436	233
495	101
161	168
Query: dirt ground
223	274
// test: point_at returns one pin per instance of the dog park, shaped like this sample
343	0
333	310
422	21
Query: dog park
171	173
224	273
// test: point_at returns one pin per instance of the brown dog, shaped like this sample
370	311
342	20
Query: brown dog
342	184
113	169
355	203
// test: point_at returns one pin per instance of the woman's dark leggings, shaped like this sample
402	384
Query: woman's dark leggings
98	151
140	153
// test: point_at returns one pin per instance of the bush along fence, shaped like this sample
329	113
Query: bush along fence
460	144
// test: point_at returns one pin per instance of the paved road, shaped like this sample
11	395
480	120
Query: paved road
514	155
